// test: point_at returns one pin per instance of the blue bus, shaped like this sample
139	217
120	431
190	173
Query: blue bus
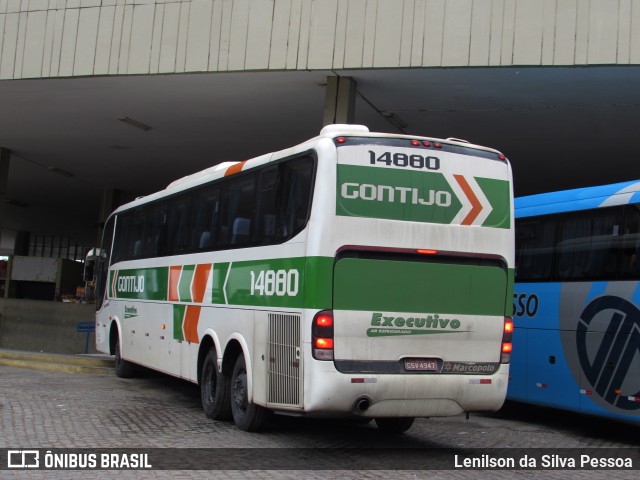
576	302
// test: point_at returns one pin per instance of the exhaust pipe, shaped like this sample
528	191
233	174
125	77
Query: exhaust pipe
362	404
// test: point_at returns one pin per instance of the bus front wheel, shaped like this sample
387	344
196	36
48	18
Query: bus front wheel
214	389
123	368
394	425
247	416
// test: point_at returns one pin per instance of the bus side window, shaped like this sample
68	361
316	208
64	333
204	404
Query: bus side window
206	206
588	246
135	240
155	230
265	231
630	261
120	239
129	236
179	225
295	196
534	248
239	200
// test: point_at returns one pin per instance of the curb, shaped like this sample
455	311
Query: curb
90	364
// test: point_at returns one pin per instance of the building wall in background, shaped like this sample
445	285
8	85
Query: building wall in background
63	38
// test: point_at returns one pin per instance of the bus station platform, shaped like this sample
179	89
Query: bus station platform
82	363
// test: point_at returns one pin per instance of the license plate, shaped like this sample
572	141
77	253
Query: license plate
421	364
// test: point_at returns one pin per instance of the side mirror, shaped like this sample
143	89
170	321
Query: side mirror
89	270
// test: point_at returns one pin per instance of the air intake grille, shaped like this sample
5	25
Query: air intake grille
285	369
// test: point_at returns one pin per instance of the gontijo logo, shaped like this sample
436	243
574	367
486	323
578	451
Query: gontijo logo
130	284
392	194
421	195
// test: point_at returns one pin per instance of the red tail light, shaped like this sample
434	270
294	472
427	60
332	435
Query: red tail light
507	346
322	335
324	343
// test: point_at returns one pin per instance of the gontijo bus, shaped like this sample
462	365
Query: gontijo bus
577	301
355	274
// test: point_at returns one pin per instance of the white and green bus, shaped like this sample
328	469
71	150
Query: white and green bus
356	274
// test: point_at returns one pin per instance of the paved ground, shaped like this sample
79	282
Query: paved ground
51	410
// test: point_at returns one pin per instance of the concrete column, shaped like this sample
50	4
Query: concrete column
340	100
22	244
5	160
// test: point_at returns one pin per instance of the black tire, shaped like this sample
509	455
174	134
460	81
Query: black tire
395	425
124	369
247	416
214	389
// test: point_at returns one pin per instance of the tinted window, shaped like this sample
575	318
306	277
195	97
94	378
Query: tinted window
156	230
266	216
587	244
206	213
534	247
262	206
238	203
630	242
294	205
179	225
600	244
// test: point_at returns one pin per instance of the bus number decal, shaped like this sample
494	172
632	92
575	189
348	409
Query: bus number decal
524	304
275	282
403	160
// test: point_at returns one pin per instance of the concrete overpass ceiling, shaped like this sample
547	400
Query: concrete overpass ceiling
560	127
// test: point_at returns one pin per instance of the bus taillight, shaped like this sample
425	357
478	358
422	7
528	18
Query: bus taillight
322	335
507	334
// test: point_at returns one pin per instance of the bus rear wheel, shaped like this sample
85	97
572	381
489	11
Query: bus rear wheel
123	368
395	425
214	389
247	416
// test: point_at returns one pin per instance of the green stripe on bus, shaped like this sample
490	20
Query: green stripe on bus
178	317
508	301
319	282
184	286
278	283
219	275
498	192
375	285
306	282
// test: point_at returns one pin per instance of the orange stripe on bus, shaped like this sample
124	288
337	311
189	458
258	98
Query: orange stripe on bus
174	278
200	278
235	168
476	206
191	318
